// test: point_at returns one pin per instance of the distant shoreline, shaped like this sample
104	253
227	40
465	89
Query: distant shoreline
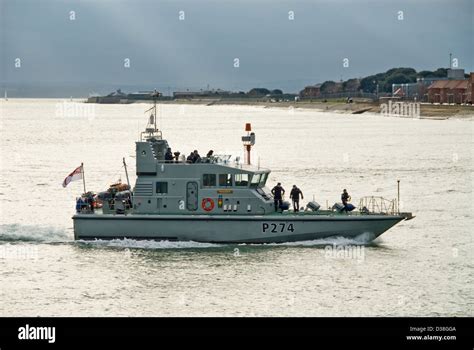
427	110
359	106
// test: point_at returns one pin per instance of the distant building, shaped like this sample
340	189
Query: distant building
311	91
201	94
470	89
120	97
416	90
439	88
457	74
450	91
407	91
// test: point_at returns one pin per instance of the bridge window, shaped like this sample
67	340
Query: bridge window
255	180
161	187
241	179
209	180
263	180
225	180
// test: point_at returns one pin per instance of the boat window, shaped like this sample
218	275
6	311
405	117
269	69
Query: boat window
255	180
225	180
263	180
161	187
241	179
209	180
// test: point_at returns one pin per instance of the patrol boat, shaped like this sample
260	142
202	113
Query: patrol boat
219	200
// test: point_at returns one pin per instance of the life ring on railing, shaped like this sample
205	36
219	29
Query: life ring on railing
207	204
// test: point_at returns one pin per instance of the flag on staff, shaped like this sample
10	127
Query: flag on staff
75	175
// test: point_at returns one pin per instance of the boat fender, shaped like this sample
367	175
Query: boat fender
207	204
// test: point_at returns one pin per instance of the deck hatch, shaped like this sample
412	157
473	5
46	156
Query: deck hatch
192	196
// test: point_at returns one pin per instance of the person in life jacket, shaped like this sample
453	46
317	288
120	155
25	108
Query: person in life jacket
278	193
79	204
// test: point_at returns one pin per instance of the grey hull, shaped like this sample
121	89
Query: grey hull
230	229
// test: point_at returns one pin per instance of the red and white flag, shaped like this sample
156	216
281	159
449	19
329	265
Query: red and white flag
75	175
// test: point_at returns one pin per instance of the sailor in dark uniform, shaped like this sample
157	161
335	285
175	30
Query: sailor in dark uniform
278	193
169	156
345	198
196	157
190	158
295	196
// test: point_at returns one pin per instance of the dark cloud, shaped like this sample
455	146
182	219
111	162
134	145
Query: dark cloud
273	51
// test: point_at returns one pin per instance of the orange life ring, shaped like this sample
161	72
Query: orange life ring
207	204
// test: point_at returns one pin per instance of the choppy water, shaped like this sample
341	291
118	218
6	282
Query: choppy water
419	267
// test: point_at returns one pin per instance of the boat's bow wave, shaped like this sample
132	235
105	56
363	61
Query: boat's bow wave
362	239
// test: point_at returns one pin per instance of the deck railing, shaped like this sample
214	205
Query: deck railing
378	205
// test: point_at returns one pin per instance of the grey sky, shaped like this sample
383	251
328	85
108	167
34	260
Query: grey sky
274	51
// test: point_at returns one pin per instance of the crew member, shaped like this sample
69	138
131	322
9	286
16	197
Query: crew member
90	201
190	158
278	193
169	156
79	205
176	156
345	198
196	157
209	156
295	196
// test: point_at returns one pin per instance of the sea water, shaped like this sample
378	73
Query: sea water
421	267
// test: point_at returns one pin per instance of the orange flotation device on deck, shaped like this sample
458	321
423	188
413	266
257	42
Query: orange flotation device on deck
207	204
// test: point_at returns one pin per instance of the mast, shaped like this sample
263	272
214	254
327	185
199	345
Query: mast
83	177
248	141
398	196
155	95
126	172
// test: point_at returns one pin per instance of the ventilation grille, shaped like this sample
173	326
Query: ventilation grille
143	189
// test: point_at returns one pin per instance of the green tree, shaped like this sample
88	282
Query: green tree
328	87
397	78
259	92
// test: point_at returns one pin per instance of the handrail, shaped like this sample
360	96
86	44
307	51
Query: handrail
378	205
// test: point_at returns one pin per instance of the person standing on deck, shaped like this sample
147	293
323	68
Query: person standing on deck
295	196
196	157
169	156
345	198
190	158
278	193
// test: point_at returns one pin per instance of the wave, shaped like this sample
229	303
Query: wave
46	234
30	233
148	244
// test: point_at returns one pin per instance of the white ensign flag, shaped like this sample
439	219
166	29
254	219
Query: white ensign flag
75	175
